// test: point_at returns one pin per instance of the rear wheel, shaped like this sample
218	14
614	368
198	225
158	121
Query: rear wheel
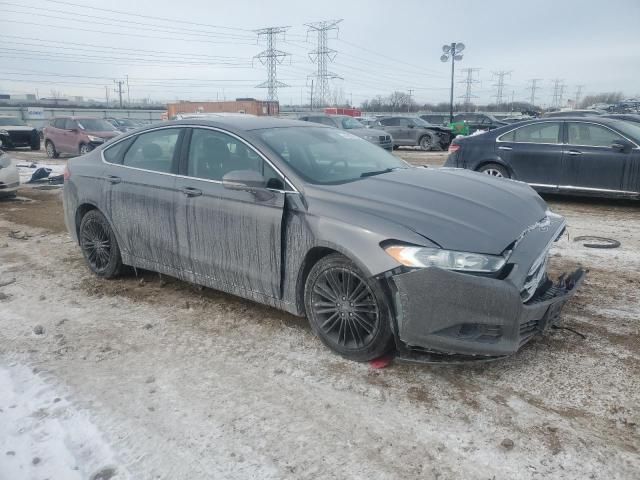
35	144
51	149
495	170
348	311
99	245
426	142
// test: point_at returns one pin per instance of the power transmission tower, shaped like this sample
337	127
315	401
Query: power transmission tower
558	91
533	88
578	95
500	85
322	55
271	57
409	102
119	83
469	81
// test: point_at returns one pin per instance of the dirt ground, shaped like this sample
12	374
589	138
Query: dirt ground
149	377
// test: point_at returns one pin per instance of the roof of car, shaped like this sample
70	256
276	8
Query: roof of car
241	123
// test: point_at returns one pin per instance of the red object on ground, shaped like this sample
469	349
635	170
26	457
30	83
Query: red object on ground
381	362
352	112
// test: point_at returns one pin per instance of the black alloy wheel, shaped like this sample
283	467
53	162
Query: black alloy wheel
346	310
99	245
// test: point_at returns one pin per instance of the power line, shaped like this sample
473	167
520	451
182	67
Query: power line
323	55
271	57
469	81
500	85
533	87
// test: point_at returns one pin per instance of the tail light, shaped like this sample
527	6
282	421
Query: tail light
67	173
454	147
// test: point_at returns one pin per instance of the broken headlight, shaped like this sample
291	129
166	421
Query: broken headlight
421	257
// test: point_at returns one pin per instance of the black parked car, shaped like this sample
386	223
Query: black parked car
345	122
312	220
414	131
478	121
15	133
436	118
573	113
586	156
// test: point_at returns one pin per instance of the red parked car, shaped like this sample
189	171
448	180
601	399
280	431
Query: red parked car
75	135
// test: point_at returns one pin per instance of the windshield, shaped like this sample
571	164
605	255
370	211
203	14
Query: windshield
11	121
349	123
631	130
328	156
125	122
95	125
420	122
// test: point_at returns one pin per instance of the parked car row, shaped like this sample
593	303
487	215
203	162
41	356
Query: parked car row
15	133
76	135
345	122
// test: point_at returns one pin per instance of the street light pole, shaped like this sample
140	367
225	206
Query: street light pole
454	51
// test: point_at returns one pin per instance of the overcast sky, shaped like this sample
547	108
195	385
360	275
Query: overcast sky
206	53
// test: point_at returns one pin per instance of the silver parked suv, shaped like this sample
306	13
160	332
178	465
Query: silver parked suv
345	122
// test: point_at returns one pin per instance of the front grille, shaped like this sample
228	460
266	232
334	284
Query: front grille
20	137
528	330
384	138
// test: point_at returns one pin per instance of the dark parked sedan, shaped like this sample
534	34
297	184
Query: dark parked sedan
318	222
414	131
585	156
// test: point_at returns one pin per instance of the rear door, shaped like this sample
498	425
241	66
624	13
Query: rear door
392	127
231	239
590	161
534	153
140	173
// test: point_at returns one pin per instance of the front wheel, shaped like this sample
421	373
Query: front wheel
35	145
495	170
51	149
99	245
85	148
348	311
426	142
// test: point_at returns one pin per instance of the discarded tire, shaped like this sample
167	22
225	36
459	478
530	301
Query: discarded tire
597	242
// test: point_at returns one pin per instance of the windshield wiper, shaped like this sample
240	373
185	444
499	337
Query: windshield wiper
379	172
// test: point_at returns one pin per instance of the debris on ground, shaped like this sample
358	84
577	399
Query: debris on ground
597	242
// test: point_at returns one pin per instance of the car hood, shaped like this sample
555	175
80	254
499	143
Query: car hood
17	128
454	208
102	134
361	132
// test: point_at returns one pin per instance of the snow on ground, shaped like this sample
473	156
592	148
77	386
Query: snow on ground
43	435
160	379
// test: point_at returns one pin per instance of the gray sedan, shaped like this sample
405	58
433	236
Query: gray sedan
378	255
345	122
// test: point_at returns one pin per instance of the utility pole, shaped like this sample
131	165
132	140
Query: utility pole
106	94
453	51
119	83
500	85
322	55
558	90
128	95
409	102
578	95
533	88
271	57
469	81
311	98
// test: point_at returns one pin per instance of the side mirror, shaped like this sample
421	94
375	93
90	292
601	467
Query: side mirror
621	146
249	181
411	125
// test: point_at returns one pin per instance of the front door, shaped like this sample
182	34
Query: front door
141	197
391	125
590	160
230	238
534	153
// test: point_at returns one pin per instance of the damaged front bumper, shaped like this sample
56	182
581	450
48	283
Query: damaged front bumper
446	312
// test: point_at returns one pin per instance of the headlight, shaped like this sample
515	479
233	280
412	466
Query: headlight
95	139
370	138
421	257
4	132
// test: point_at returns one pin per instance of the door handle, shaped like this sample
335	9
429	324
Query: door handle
574	152
505	148
191	192
112	179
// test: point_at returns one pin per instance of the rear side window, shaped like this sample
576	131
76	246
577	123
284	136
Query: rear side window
153	150
548	132
115	153
390	122
59	122
592	135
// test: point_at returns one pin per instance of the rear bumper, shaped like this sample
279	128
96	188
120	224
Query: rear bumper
446	312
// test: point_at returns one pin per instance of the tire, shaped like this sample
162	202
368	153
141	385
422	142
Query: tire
99	245
426	142
347	310
395	147
495	170
51	149
84	148
35	145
